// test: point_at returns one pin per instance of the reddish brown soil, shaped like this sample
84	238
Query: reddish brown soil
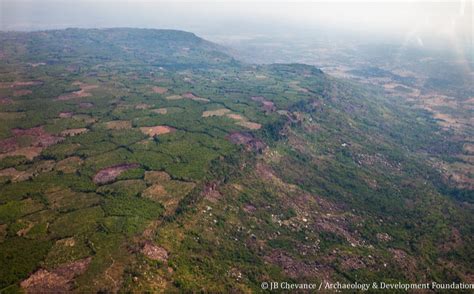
118	124
211	193
154	252
109	174
267	106
142	106
293	268
15	175
249	125
352	263
455	241
160	111
22	92
69	165
406	262
18	84
217	112
28	152
383	237
235	116
73	132
157	130
155	192
8	144
249	208
38	137
154	177
85	105
59	280
83	92
338	225
189	95
194	97
248	140
5	101
66	114
159	90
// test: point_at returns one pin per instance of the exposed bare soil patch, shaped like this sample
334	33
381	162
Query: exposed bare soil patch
36	64
86	105
267	106
191	96
211	193
458	173
28	152
217	112
339	225
66	114
83	92
293	268
11	115
249	125
15	175
157	130
447	121
118	125
406	262
19	84
74	132
25	230
142	106
155	252
469	148
383	237
18	175
160	111
155	192
153	177
40	138
69	165
352	263
453	242
174	97
235	116
36	137
111	173
266	173
248	140
22	92
249	208
159	90
6	101
295	85
59	280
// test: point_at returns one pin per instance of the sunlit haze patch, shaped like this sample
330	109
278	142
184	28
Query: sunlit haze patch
448	23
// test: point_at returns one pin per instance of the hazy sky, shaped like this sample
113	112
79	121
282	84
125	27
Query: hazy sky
451	20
